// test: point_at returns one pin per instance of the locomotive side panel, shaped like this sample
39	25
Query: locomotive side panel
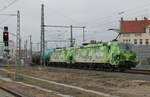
82	55
58	56
91	54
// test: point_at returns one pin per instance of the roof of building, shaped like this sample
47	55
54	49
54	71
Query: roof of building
136	26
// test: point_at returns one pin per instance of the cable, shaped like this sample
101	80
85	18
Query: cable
143	12
7	6
67	17
123	12
114	16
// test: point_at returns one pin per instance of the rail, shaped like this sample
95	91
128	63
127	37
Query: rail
13	92
138	71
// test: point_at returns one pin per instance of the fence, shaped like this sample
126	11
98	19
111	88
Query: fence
143	54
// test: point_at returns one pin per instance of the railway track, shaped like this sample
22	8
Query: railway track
13	92
138	71
132	71
8	66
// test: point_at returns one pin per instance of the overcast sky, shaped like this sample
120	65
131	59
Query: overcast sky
97	15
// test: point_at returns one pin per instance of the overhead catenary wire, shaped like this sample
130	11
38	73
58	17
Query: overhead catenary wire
134	13
8	5
105	20
65	16
124	12
102	21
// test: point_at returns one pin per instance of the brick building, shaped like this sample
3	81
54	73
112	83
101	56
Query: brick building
135	31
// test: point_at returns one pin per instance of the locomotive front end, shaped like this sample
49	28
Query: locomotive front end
127	56
122	56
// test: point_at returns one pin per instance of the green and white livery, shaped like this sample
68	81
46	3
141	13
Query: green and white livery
114	55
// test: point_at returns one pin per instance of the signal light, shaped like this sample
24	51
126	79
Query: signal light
5	36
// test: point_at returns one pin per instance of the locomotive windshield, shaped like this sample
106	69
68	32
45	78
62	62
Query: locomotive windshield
125	47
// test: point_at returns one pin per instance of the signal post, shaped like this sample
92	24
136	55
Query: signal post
6	41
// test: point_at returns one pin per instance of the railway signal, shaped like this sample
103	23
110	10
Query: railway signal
6	36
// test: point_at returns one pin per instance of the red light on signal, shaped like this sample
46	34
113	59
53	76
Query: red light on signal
5	36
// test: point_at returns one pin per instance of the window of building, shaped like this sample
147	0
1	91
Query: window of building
135	41
128	40
141	41
138	34
126	35
147	41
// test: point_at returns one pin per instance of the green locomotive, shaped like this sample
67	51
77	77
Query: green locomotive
112	56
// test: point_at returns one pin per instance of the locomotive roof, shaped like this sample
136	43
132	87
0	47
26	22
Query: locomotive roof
91	45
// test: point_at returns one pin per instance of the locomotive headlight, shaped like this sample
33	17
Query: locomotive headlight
118	56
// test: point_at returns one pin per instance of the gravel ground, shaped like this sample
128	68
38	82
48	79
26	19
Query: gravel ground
119	84
26	90
101	73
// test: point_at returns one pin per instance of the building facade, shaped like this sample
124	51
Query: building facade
135	31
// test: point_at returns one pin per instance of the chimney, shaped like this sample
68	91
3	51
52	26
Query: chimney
136	19
121	19
93	41
5	29
145	18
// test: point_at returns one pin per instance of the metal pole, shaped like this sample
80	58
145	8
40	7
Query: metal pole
41	44
42	36
45	45
26	48
20	55
38	46
18	48
71	38
18	38
30	46
83	34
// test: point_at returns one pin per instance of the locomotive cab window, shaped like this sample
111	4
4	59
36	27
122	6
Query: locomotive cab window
125	47
109	48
